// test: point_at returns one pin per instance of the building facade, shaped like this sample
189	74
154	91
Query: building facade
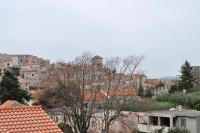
173	118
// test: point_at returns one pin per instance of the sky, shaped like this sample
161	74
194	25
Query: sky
167	32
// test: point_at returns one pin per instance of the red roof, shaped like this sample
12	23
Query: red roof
89	96
26	120
99	96
122	92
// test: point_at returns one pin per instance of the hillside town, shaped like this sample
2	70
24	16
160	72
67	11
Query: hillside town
34	70
131	98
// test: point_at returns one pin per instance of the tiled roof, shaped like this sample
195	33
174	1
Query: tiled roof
22	80
98	96
122	92
10	104
28	70
26	120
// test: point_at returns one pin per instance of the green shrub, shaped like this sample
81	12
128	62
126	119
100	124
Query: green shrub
148	105
196	107
163	105
178	130
188	99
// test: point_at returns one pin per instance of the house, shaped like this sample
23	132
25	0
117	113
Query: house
25	119
179	118
120	125
24	83
34	74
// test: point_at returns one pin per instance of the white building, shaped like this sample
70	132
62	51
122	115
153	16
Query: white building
189	119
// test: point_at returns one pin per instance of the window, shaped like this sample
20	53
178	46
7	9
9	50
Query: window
93	124
55	118
153	120
164	121
183	122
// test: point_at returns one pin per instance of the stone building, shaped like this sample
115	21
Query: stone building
32	69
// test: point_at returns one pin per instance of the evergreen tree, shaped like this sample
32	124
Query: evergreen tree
140	90
15	70
187	79
173	89
10	89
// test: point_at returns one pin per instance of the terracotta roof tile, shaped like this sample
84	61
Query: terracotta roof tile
22	80
122	92
89	96
99	96
26	120
28	70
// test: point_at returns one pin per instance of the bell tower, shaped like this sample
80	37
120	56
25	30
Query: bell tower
97	68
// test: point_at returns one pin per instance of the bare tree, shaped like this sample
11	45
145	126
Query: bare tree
87	86
118	87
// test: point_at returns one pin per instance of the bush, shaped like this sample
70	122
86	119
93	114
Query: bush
196	107
148	105
178	130
163	105
187	100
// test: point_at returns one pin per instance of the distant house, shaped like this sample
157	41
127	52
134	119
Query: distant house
167	119
25	119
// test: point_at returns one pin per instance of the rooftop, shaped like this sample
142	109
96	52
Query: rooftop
97	57
176	113
26	120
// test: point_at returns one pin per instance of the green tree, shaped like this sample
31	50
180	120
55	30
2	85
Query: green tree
173	89
140	90
10	89
187	79
15	70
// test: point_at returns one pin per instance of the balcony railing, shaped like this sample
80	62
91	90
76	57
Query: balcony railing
151	128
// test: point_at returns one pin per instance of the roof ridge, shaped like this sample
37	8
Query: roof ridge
21	107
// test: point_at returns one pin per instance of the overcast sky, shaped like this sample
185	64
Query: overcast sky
166	31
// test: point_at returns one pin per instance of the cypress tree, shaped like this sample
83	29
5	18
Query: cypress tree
187	79
10	89
140	89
